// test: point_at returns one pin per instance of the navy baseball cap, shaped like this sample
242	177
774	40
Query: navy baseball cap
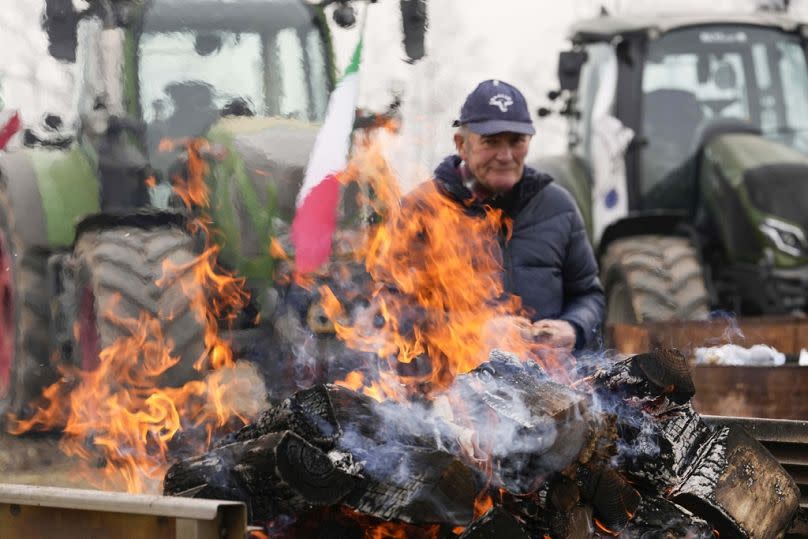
496	107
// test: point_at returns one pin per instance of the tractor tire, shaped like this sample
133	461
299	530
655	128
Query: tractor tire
25	367
653	278
116	282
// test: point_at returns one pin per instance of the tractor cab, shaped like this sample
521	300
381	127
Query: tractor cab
691	128
700	82
154	75
251	59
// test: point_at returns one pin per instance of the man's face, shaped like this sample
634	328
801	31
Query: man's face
496	161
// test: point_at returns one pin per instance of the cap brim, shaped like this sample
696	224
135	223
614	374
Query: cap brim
492	127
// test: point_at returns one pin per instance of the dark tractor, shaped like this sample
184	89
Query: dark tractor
688	156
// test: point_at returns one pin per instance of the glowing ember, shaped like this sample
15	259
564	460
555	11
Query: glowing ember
482	504
599	525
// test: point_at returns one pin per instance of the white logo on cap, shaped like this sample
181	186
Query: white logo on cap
502	101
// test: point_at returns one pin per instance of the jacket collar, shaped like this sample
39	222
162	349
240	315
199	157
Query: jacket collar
450	182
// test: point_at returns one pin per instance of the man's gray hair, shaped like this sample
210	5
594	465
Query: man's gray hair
464	132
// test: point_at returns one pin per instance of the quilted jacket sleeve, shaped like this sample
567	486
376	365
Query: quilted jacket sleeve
583	293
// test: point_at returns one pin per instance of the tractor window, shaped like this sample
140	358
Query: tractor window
715	77
318	72
768	105
596	91
682	92
189	78
294	97
186	78
794	73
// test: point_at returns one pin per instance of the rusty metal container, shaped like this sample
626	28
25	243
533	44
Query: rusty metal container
743	391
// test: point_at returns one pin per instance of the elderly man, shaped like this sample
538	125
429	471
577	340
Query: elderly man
548	260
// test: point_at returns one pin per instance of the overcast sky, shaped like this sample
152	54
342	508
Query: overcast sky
468	41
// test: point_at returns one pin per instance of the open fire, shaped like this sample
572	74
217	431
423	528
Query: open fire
430	429
123	415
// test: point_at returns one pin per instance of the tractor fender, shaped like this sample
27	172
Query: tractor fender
573	174
145	219
18	181
49	190
660	223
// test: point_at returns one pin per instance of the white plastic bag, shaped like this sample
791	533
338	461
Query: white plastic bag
759	355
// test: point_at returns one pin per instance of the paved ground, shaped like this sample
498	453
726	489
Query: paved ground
36	460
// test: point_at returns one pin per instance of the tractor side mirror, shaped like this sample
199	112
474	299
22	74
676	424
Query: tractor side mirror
60	22
344	14
569	69
48	133
414	19
53	122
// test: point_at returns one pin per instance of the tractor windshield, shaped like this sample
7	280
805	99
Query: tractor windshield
702	77
201	60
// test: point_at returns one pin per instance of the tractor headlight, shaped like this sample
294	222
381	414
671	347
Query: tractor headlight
787	237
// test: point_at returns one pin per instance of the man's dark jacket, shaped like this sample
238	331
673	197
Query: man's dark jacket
548	260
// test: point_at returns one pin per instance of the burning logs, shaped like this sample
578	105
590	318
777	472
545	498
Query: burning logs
723	475
628	457
495	523
274	474
529	425
737	485
383	474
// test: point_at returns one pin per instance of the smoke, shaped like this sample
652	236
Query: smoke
485	419
733	331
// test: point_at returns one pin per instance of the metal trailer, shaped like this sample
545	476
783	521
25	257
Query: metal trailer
31	512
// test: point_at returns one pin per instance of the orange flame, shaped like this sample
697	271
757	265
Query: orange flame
225	296
599	525
440	298
482	504
390	530
129	420
118	416
276	250
193	189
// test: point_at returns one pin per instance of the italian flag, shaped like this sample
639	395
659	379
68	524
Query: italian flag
10	123
316	215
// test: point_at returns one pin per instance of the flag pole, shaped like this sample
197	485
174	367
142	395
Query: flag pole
317	206
364	213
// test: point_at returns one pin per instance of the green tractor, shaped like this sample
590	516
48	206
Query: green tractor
688	156
87	225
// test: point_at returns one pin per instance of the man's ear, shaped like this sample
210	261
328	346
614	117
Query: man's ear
460	145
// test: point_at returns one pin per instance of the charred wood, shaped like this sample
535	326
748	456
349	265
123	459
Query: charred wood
738	486
615	501
274	473
424	487
657	381
639	462
566	515
657	451
658	517
529	425
495	524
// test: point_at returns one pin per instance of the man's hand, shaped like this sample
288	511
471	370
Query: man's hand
500	331
556	333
